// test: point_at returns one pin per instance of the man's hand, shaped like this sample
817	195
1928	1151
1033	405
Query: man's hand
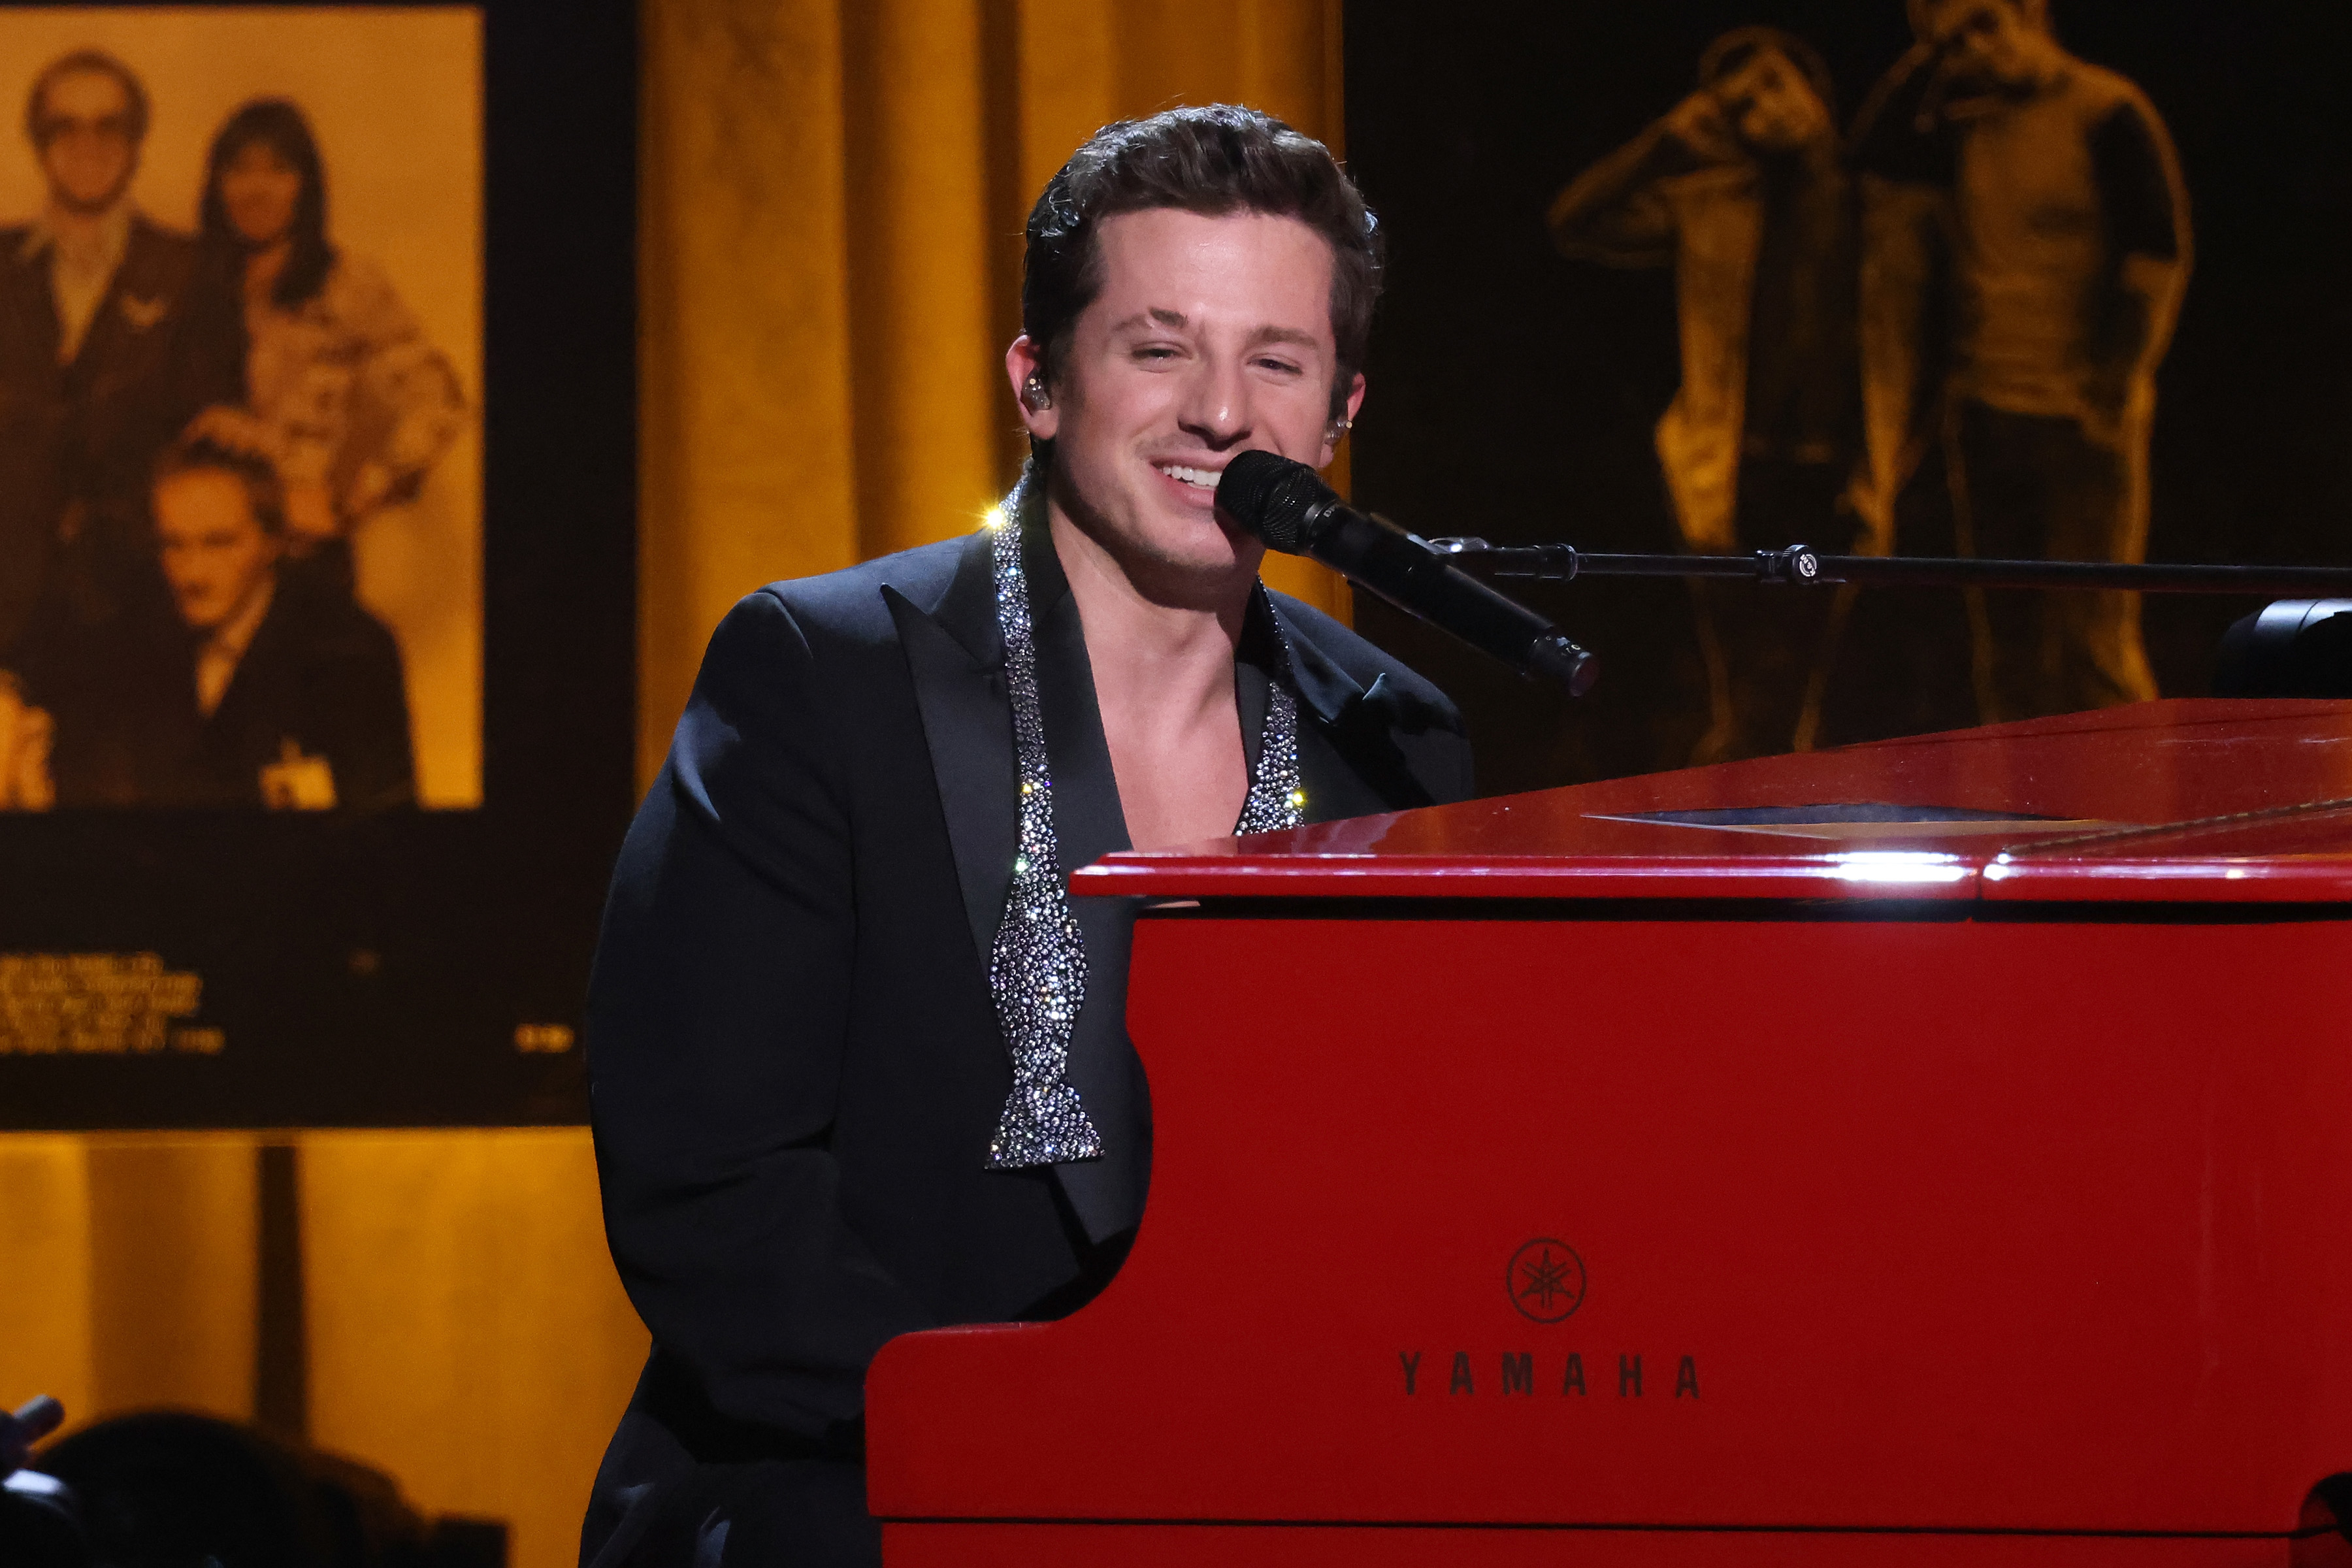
311	513
26	733
2119	387
2108	408
1698	133
237	429
34	1420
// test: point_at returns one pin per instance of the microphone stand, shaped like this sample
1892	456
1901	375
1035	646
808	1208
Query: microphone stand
1801	566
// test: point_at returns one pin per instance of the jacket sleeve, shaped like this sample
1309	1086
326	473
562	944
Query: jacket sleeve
410	410
716	1021
1613	212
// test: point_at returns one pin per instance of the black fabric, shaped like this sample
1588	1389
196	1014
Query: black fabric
79	440
321	676
795	1062
1804	378
1889	140
1105	1194
2036	488
2135	194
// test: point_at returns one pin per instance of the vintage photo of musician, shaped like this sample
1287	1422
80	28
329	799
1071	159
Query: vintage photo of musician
1989	263
240	508
2041	195
1741	189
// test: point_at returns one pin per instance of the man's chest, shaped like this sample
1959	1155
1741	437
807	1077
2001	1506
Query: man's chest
2027	186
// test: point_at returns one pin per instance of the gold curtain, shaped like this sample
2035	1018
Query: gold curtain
831	199
832	208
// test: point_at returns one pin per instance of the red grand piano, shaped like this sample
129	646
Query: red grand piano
1934	1151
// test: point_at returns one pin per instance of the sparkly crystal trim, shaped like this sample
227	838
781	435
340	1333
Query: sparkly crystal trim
1037	968
1276	799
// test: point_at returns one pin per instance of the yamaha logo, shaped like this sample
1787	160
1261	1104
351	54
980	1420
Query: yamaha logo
1545	1281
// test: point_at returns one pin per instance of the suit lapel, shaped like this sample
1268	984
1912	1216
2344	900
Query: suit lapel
43	334
132	305
1327	695
955	656
1323	687
1350	763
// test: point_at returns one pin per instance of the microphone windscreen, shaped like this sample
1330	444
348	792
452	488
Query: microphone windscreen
1274	498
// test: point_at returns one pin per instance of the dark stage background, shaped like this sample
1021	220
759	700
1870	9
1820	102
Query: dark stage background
1513	392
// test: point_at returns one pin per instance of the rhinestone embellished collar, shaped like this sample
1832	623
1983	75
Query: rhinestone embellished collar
1037	969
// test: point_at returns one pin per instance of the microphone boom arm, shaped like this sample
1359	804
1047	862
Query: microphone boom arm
1800	565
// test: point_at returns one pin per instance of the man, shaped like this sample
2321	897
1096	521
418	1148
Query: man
1739	189
108	347
858	1064
288	696
2068	254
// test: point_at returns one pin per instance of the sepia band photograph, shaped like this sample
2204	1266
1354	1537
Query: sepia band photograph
240	355
247	669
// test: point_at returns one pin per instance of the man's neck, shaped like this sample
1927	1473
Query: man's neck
222	648
1149	655
81	232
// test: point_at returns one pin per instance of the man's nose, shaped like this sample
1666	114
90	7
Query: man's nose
1216	408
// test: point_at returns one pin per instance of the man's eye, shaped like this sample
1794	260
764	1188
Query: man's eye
1279	366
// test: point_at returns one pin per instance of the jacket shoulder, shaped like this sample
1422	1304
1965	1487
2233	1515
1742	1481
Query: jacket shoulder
848	604
332	629
158	258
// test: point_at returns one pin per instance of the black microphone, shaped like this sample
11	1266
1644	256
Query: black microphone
1287	505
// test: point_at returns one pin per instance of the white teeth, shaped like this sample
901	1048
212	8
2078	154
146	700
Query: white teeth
1200	479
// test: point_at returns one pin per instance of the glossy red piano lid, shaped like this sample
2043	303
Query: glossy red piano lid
2188	801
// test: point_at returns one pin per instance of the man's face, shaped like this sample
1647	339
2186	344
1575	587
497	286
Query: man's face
86	146
1771	104
1991	40
217	556
261	190
1211	336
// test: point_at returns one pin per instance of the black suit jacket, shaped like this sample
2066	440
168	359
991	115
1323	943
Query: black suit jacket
320	675
795	1059
79	440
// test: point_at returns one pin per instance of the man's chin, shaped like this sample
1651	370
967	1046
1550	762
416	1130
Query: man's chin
1204	549
94	207
1191	570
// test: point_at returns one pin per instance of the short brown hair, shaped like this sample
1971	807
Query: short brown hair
1735	48
93	62
1214	160
205	455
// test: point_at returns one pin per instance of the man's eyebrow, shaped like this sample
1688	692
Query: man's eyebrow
1177	321
1156	316
1285	335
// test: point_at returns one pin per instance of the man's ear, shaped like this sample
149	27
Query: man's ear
1023	365
1336	428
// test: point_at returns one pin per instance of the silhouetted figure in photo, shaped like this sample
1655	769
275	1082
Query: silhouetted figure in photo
347	397
1740	190
2026	247
107	349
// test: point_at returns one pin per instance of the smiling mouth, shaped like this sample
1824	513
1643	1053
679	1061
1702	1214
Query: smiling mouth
1202	480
